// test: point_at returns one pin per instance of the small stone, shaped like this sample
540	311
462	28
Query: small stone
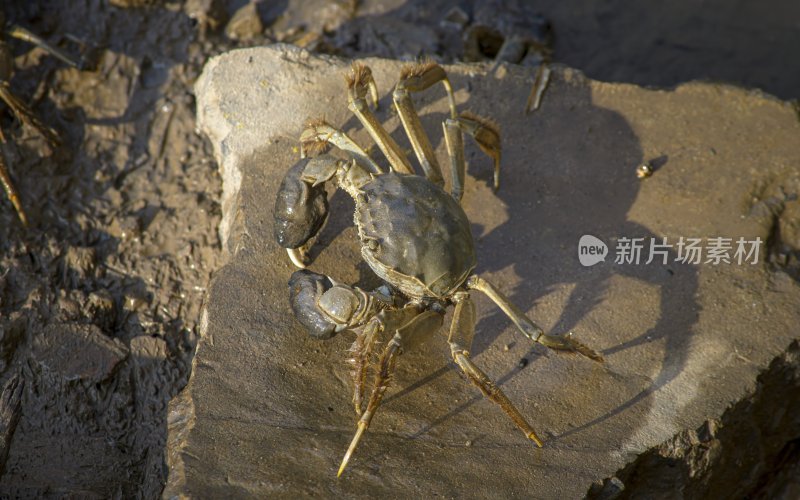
149	347
455	18
69	306
644	170
124	228
101	300
78	352
245	24
612	488
708	431
81	260
209	14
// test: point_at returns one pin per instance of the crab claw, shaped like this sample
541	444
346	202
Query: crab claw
300	208
305	289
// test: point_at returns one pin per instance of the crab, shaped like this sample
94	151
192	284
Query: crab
18	107
414	235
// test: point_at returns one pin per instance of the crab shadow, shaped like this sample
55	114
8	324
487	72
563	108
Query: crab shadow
573	175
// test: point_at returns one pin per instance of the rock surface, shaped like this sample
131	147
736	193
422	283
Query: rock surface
745	454
271	407
78	352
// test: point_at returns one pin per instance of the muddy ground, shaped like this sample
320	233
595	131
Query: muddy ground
100	295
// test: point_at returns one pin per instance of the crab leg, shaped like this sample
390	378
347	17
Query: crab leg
413	331
21	33
528	327
25	115
359	82
487	134
539	86
462	331
455	150
416	78
382	379
319	133
362	349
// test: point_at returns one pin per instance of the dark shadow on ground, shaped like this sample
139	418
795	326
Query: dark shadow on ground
659	45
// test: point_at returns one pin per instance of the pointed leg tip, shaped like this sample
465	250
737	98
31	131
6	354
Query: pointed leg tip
589	353
23	218
343	465
533	437
585	350
567	344
361	428
345	461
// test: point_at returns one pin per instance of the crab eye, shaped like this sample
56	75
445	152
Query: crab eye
339	303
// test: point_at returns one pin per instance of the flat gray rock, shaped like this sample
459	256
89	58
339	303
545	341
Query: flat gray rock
682	341
78	352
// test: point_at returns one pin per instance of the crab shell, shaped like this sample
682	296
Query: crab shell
414	235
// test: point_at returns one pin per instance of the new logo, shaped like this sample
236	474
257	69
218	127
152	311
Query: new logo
591	250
